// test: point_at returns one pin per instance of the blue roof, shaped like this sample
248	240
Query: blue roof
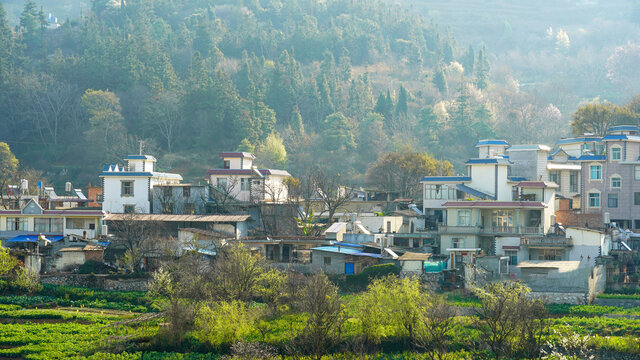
378	256
348	244
492	142
446	178
140	157
475	192
624	128
614	137
33	238
337	249
125	173
592	157
489	161
516	178
579	140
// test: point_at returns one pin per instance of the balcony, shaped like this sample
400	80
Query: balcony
547	241
490	230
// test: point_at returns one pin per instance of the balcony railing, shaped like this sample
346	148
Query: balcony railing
547	241
490	229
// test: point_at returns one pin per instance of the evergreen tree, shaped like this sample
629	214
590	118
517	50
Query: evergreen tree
246	146
338	134
482	69
468	61
402	106
296	121
439	80
32	25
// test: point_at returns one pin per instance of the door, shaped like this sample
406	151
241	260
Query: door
348	268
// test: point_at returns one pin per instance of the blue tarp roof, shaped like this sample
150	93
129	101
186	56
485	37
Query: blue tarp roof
446	178
34	238
492	142
474	192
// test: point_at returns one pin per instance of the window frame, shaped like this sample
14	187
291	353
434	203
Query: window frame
598	168
596	196
616	178
618	151
614	198
636	198
573	181
244	184
124	187
467	216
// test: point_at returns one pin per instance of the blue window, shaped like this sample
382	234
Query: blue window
594	200
596	172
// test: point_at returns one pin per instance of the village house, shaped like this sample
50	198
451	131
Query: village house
240	181
185	199
129	189
611	178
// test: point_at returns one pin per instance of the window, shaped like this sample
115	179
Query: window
327	260
75	224
186	192
615	182
17	224
388	226
222	183
244	184
616	153
612	200
227	164
554	176
48	225
594	200
596	172
126	188
550	254
502	220
636	198
573	181
583	148
637	173
464	217
129	209
513	256
188	208
599	149
636	224
457	243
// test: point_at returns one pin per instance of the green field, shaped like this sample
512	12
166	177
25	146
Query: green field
79	331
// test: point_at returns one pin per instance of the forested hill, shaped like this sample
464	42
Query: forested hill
332	83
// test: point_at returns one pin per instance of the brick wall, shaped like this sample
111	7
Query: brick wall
572	218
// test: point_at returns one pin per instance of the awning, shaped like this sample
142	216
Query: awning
34	238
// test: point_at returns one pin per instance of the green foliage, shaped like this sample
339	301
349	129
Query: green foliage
223	323
596	117
360	281
94	267
620	296
7	262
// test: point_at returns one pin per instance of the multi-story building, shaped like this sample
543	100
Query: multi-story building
611	177
33	220
180	199
129	189
240	180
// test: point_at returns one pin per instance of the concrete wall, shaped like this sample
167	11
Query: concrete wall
576	281
68	258
198	196
597	282
374	223
103	282
114	202
336	266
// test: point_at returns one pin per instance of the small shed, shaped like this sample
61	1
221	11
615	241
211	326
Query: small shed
69	256
335	231
345	259
412	262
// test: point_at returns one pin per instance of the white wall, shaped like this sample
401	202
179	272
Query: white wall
374	223
114	202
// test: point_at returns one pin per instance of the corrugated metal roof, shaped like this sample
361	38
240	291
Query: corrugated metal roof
446	178
336	227
495	204
501	161
413	256
172	217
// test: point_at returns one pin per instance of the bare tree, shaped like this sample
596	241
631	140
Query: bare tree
434	332
320	299
331	191
166	198
140	239
224	196
300	194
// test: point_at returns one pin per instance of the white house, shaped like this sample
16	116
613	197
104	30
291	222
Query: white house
239	179
130	189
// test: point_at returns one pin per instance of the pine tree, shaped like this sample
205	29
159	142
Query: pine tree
296	121
482	69
439	80
468	61
246	146
402	105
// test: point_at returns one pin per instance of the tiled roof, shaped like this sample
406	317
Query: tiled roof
538	184
445	178
237	155
624	128
140	157
501	161
592	158
495	204
247	172
492	142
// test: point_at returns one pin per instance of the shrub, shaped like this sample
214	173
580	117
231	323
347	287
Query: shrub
94	267
223	323
360	281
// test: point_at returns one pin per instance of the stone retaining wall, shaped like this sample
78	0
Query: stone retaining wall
560	298
102	282
625	303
